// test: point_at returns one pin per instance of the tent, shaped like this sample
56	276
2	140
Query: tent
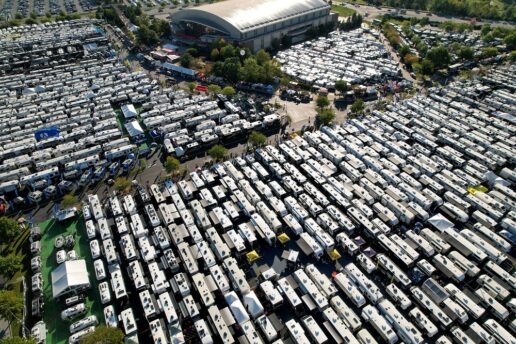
334	255
236	307
69	277
440	222
283	238
252	256
253	305
134	129
129	111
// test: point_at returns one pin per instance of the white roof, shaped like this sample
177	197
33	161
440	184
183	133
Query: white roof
69	275
134	128
129	111
440	222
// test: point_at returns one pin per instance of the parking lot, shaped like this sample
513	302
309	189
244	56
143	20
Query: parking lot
9	8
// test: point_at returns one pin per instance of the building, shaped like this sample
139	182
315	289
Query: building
252	23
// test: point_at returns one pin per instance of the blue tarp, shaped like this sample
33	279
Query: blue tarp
179	69
45	133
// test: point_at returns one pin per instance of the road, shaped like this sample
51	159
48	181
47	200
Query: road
372	11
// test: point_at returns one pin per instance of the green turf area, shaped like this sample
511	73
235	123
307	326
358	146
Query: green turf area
342	11
58	330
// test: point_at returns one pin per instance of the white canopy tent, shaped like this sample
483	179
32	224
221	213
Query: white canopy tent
68	277
129	111
440	222
134	129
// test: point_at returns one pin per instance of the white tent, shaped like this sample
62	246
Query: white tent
253	305
129	111
440	222
134	129
237	308
68	277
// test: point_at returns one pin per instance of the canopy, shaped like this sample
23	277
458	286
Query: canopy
134	129
334	254
237	308
129	111
69	276
252	256
253	305
440	222
283	238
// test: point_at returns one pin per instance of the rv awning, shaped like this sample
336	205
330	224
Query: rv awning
69	276
134	129
179	69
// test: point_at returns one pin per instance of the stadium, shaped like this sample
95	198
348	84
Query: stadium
251	23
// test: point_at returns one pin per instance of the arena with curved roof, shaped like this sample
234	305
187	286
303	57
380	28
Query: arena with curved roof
252	23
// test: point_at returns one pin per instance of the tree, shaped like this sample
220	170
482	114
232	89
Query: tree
489	52
262	56
11	305
191	86
122	183
187	60
510	41
214	89
410	59
286	41
276	44
341	86
322	101
512	56
358	106
427	67
217	152
69	200
231	69
325	116
439	56
404	50
466	53
251	71
10	264
104	335
228	91
192	51
171	165
228	51
9	228
257	139
17	340
215	54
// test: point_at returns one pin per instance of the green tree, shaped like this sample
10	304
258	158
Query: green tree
251	71
512	56
217	152
187	60
171	165
215	54
358	106
9	229
341	86
325	116
510	41
228	51
270	70
486	28
11	305
30	21
489	52
69	200
228	91
214	89
192	86
466	53
104	335
427	67
257	139
439	56
192	51
404	50
322	101
231	69
262	56
17	340
10	264
410	59
18	16
122	184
